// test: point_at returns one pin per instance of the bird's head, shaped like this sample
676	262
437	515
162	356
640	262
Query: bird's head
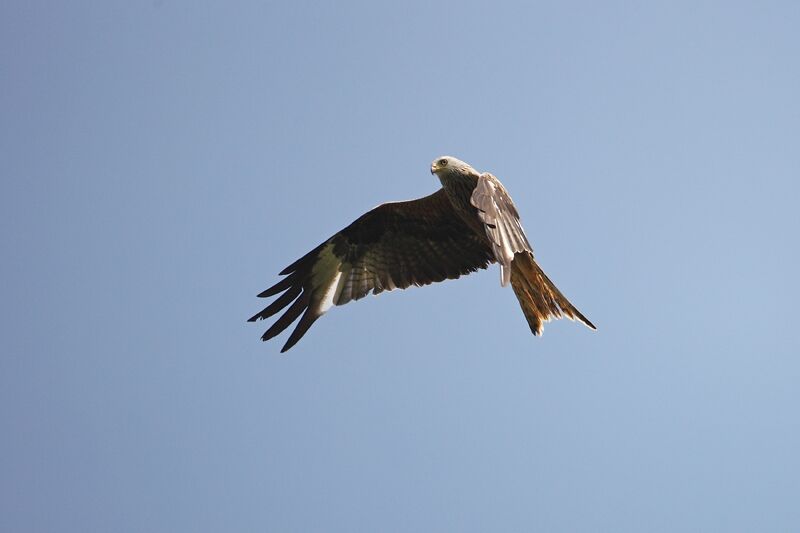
447	165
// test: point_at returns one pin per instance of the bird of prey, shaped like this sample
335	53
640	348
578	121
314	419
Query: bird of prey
468	224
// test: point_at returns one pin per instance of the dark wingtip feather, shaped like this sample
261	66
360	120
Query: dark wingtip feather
287	318
281	286
310	257
293	272
309	317
284	300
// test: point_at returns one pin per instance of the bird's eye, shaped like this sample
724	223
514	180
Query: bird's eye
443	162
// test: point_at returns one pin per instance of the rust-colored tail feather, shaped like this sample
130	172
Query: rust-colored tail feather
538	296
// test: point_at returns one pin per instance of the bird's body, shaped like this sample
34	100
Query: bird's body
466	225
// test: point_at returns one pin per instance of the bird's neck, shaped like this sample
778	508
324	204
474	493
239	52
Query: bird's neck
459	190
459	187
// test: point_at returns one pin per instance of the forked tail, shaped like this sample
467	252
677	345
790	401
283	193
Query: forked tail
539	298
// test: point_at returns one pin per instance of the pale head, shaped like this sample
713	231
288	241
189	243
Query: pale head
448	165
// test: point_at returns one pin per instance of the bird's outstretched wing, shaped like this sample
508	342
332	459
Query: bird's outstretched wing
538	297
395	245
501	222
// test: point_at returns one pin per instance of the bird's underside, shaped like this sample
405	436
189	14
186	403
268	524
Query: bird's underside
464	226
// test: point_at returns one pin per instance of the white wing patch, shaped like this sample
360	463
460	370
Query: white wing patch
497	212
330	293
327	273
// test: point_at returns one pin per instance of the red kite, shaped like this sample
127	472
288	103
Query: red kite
466	225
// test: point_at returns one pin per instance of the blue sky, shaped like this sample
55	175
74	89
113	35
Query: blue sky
163	161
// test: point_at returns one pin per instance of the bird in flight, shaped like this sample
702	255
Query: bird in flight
468	224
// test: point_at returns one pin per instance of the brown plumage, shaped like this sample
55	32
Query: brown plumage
539	298
466	225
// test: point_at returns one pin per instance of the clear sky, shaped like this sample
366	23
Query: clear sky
162	161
